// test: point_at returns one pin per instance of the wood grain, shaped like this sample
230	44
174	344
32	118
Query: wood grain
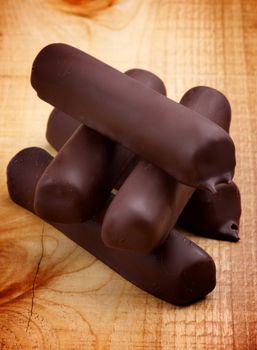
53	294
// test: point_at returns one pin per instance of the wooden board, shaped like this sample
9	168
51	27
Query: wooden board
53	294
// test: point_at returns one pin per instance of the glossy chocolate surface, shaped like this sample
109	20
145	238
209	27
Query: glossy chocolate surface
149	203
210	103
178	272
60	128
206	214
186	145
78	180
71	188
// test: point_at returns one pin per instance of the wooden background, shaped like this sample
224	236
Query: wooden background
53	294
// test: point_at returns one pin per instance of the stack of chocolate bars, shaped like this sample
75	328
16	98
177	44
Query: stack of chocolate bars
131	164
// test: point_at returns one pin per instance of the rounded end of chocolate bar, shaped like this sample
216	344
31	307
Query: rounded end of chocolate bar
130	230
191	270
147	78
217	162
210	103
21	181
197	280
59	202
42	58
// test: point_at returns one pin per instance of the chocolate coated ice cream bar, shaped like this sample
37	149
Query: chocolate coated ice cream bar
186	145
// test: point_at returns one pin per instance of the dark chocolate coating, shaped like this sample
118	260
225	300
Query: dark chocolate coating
78	180
149	79
186	145
60	127
206	214
20	182
70	189
210	103
178	272
147	205
214	215
149	202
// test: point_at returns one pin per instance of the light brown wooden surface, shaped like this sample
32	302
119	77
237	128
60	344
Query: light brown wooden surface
53	294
